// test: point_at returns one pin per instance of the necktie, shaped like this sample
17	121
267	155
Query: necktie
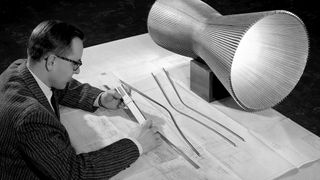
54	105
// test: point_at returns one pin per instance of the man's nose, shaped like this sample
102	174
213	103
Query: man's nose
77	71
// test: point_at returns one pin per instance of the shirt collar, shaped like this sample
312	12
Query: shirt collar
45	89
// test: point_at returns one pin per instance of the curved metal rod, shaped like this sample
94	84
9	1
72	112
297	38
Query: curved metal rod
172	84
155	78
171	116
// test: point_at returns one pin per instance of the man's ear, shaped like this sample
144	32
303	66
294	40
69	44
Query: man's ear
50	62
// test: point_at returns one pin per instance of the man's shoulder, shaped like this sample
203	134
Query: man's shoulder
12	73
14	66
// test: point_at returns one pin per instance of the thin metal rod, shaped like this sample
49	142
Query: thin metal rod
172	84
179	151
171	116
165	95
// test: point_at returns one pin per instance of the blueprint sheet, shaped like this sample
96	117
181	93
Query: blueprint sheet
273	145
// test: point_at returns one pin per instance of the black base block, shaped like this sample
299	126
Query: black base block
204	83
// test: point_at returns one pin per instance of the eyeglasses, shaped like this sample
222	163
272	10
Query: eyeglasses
75	64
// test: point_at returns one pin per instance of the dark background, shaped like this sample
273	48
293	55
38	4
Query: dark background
103	21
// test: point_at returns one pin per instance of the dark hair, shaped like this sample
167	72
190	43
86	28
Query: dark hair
51	36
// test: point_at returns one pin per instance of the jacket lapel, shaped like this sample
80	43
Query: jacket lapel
34	88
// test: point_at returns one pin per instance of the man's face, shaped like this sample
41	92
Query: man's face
64	69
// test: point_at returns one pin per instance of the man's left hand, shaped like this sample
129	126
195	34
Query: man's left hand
111	99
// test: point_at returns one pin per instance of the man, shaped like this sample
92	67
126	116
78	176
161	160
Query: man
33	142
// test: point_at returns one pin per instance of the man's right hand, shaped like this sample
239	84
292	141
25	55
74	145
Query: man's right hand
147	135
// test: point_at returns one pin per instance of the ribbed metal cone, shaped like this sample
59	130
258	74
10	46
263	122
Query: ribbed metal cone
259	57
171	24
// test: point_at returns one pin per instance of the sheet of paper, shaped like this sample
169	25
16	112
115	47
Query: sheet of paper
261	156
170	170
89	132
245	159
282	135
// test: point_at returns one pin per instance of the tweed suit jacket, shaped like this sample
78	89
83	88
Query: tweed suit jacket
33	142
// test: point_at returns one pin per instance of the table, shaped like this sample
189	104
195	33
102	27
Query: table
273	146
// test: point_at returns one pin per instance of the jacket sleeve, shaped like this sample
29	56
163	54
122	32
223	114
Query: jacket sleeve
45	145
78	95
